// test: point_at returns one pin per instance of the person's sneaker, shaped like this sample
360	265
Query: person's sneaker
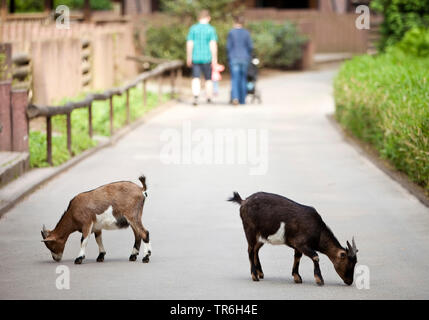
195	102
235	102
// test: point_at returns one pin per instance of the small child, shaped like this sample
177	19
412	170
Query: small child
216	77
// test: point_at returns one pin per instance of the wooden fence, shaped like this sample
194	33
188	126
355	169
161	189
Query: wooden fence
34	111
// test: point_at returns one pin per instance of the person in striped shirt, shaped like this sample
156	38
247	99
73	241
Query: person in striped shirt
201	54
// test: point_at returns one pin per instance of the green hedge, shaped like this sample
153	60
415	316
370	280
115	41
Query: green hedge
399	17
383	100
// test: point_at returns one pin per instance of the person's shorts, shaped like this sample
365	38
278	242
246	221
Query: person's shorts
205	68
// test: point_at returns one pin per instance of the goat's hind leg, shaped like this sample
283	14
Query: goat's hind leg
101	250
257	261
137	243
253	270
144	235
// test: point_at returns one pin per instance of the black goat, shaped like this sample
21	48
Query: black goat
271	218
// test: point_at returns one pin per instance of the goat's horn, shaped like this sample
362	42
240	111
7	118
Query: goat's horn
44	228
349	247
355	250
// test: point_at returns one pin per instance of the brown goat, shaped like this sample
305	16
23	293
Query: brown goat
270	218
113	206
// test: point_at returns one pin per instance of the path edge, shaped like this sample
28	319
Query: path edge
372	155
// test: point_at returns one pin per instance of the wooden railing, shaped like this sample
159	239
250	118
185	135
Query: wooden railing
34	111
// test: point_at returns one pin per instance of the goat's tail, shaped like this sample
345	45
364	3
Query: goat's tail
142	179
236	198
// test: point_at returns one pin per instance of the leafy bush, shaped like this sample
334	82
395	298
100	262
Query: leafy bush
415	42
277	45
399	17
221	10
78	4
384	100
37	5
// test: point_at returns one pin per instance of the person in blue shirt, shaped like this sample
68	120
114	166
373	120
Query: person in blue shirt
239	49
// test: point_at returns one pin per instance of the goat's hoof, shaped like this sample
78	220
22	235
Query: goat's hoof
319	281
260	275
78	260
149	253
145	259
255	277
100	257
297	278
133	257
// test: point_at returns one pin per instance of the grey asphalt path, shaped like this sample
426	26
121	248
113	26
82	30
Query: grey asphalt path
199	248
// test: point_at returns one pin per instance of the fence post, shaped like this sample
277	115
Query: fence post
144	94
90	119
5	93
5	116
69	136
179	82
172	79
49	140
19	103
128	105
111	115
160	89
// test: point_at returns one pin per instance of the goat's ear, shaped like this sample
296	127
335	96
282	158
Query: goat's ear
48	239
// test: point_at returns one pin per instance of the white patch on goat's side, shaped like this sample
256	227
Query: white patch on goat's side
277	238
106	220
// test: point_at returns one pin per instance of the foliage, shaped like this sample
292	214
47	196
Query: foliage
79	120
28	5
383	100
221	10
399	17
37	5
78	4
277	45
415	42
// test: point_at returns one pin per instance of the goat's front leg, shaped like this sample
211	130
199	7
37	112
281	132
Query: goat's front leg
101	250
314	256
295	270
86	232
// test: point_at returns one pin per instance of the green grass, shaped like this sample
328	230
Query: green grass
384	100
79	120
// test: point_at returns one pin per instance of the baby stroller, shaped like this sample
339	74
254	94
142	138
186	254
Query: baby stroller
252	77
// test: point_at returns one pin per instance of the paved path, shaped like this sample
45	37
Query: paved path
199	248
